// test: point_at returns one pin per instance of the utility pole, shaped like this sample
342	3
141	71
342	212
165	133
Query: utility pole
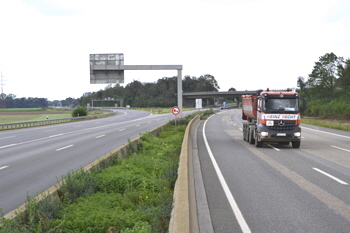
2	98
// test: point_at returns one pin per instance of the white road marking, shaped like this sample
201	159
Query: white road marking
4	167
8	137
57	135
241	221
121	129
340	148
137	125
326	132
273	147
100	136
62	148
330	176
72	132
7	146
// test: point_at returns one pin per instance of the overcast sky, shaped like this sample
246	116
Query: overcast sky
244	44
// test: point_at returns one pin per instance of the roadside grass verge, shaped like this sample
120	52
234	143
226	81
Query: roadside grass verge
327	123
132	194
8	116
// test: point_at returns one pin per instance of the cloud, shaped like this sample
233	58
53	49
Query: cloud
253	44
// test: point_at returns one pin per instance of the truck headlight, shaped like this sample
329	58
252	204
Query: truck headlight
297	134
264	134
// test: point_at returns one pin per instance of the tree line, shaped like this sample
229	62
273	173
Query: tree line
32	102
327	88
162	93
11	101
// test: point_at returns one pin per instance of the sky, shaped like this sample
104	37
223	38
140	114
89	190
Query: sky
245	44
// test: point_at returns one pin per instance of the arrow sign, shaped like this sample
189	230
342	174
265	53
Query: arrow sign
175	110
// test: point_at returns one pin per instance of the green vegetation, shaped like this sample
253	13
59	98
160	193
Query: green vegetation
133	194
333	124
161	94
21	110
327	88
9	116
79	111
206	114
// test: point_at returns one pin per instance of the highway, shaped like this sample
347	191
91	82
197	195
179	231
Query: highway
275	188
35	159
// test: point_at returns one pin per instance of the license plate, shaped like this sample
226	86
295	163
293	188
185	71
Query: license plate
281	134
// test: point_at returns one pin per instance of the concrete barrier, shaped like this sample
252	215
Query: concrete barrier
184	212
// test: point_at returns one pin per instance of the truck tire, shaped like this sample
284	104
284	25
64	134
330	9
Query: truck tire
296	144
244	132
258	143
251	137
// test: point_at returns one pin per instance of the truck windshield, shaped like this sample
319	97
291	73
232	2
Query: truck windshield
281	105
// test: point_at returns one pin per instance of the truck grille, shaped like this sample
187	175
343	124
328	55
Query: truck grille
283	126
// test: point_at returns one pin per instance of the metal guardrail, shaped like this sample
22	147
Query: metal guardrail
48	122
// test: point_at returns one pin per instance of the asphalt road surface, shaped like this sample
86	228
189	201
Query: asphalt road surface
35	159
275	188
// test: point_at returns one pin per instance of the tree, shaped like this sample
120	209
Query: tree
325	73
79	111
304	87
344	79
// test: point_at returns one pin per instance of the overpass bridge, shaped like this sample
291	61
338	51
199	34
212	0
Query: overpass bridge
216	94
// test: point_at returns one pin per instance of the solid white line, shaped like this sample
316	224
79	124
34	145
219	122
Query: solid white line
320	131
330	176
273	147
121	129
7	146
241	221
4	167
64	147
100	136
57	135
8	137
340	148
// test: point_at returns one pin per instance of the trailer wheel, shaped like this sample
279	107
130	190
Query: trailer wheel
251	137
258	143
296	144
244	132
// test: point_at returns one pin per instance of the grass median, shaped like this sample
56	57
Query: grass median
133	194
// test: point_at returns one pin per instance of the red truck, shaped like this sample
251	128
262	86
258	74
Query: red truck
272	116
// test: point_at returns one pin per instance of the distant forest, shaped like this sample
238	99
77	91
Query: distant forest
162	93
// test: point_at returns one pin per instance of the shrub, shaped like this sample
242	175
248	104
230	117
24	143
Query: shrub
79	111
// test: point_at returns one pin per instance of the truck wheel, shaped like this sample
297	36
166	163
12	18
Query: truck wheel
296	144
251	137
244	132
258	143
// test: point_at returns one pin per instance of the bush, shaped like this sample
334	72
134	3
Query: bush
79	111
